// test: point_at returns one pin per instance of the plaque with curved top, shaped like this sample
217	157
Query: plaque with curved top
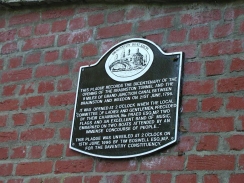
127	104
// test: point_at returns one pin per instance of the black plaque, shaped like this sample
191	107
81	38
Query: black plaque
127	103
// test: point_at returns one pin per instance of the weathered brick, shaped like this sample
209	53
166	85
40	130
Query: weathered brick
230	84
57	13
224	30
169	163
237	64
156	38
52	70
114	31
51	56
33	102
55	151
161	178
75	37
217	124
177	36
208	143
34	168
77	23
192	68
59	26
199	33
4	153
70	53
211	162
33	58
214	67
235	103
198	87
3	120
9	90
2	23
114	178
73	179
236	142
42	29
40	42
64	133
18	152
211	178
6	169
134	13
241	162
57	116
89	50
135	178
212	104
37	134
9	105
189	50
8	136
19	119
236	178
96	19
186	143
35	152
64	84
114	166
27	88
15	181
233	13
38	118
190	105
24	18
189	178
62	99
154	24
16	75
7	35
74	166
9	48
116	16
46	86
15	62
25	31
93	179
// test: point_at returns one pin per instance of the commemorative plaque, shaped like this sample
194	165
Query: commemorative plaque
127	103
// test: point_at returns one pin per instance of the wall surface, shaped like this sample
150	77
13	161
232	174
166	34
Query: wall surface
42	49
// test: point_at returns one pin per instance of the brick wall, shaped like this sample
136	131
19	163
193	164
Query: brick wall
41	52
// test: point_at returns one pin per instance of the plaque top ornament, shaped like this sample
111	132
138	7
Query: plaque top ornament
127	103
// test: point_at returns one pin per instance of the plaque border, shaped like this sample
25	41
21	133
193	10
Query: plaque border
177	108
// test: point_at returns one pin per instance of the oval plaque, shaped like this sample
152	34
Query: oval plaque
127	103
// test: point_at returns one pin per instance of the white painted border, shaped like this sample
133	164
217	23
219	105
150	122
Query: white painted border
177	108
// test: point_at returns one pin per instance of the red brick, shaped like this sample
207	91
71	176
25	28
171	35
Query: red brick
201	17
211	179
74	166
75	37
27	89
33	58
16	75
241	118
15	181
221	48
116	16
211	162
192	68
230	84
199	33
3	120
38	118
77	23
168	163
233	13
93	179
189	178
208	143
189	50
190	105
69	53
114	31
37	134
241	29
177	36
217	124
224	30
106	45
46	86
214	67
35	152
25	18
97	19
235	103
236	142
186	143
18	152
40	42
156	38
135	12
55	151
64	133
114	178
89	50
236	178
3	153
211	104
59	26
71	153
25	31
9	105
57	116
1	64
154	24
51	56
51	180
241	162
9	48
237	64
8	136
19	119
33	102
2	23
15	62
34	168
73	179
161	178
135	178
83	63
198	87
9	90
57	13
64	84
62	99
52	70
6	169
8	35
114	166
42	29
